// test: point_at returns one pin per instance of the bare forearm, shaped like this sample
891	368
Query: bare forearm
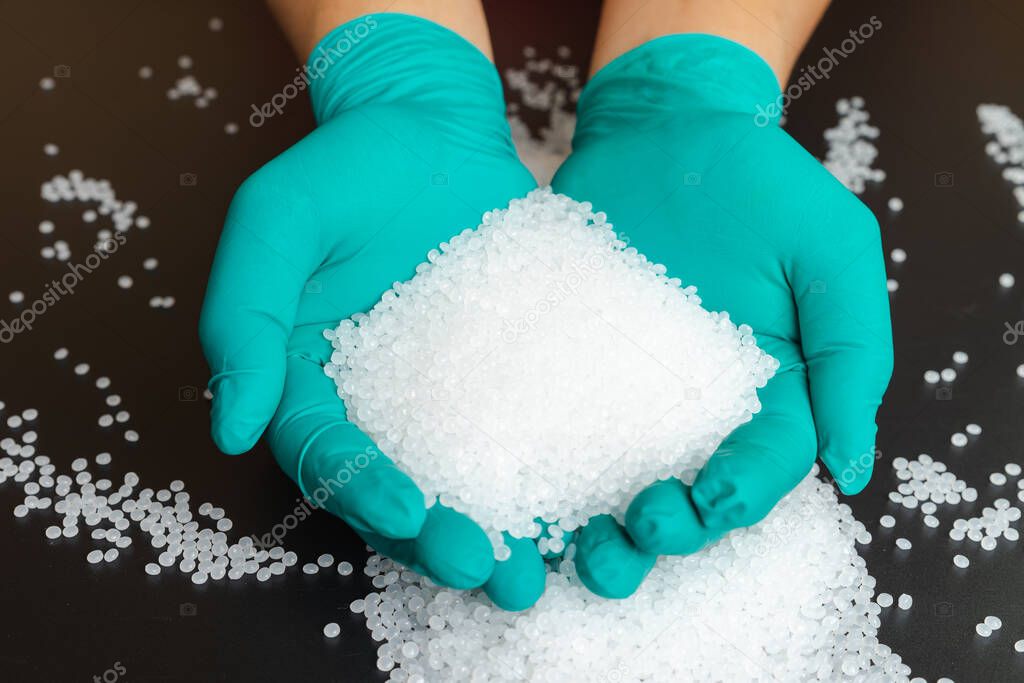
305	22
777	30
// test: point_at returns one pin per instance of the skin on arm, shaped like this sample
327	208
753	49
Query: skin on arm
305	22
776	30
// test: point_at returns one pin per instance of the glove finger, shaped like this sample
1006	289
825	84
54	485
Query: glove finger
662	519
607	561
846	336
518	582
759	463
265	256
451	550
335	464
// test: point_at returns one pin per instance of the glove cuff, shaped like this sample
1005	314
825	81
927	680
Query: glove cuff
674	75
397	58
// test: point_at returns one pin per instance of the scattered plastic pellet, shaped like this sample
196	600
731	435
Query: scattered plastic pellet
948	374
961	561
344	568
905	601
973	429
903	544
887	521
884	600
1007	280
332	630
895	204
124	281
931	376
958	439
310	568
960	357
325	560
16	296
145	72
898	255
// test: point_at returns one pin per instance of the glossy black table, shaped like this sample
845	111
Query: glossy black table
922	75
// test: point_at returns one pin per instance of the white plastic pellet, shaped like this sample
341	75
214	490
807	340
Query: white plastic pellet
905	601
1007	280
895	204
887	521
94	556
16	296
931	376
884	600
145	72
903	544
325	560
332	630
898	255
958	439
960	357
948	374
994	623
344	568
310	568
973	429
961	561
150	263
124	281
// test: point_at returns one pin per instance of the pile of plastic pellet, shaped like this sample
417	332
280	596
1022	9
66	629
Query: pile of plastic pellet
925	484
119	511
787	599
1007	145
537	368
851	152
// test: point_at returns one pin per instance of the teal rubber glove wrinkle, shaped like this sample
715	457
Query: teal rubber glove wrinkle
412	146
673	144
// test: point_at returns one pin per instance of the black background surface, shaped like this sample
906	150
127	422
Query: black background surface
922	76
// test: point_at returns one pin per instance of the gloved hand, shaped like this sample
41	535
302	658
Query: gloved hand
673	144
412	146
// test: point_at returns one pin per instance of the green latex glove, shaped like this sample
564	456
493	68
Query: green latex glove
412	147
673	143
